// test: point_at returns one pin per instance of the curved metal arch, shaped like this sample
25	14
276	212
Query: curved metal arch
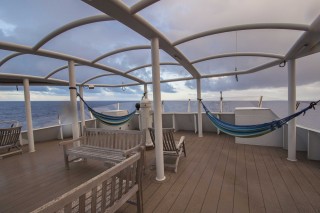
9	57
265	55
281	26
140	47
141	5
95	77
65	57
117	85
69	26
122	13
149	65
59	69
252	70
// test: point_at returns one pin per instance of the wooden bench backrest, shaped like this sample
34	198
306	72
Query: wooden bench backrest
105	192
115	139
10	136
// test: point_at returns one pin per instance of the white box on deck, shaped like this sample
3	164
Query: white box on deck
255	115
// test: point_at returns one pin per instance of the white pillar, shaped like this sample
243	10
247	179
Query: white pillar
73	100
145	88
200	134
83	116
146	120
157	109
292	140
189	105
28	114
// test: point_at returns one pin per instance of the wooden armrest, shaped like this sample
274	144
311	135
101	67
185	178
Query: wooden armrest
70	141
181	141
136	148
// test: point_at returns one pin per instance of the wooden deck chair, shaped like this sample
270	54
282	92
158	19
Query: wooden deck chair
9	138
172	149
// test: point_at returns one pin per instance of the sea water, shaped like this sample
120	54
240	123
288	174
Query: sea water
47	113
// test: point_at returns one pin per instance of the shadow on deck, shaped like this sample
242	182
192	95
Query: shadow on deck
216	176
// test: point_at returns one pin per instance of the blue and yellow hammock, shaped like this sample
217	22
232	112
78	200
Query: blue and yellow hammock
108	119
248	131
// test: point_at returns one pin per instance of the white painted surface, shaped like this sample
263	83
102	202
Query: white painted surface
292	139
28	114
157	109
254	115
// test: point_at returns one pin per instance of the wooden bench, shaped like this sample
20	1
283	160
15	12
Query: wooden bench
106	192
9	138
109	146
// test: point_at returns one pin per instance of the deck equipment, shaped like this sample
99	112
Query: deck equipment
248	131
108	119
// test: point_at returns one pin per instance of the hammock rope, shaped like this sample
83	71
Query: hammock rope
108	119
247	131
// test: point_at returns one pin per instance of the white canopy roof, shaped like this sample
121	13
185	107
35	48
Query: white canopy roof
110	40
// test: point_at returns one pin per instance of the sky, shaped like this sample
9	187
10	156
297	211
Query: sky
27	22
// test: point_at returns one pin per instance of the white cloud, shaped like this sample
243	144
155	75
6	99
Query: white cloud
7	28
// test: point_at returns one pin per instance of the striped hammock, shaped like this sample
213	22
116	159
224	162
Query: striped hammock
248	131
108	119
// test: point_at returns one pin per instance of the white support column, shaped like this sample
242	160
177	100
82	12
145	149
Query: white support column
28	114
145	89
189	106
73	100
200	134
292	140
157	109
83	116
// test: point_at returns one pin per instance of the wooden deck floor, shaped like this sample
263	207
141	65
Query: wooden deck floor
216	176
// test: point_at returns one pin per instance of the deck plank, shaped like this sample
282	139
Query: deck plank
189	187
170	194
269	194
226	200
241	198
211	201
285	199
256	203
302	191
197	199
217	175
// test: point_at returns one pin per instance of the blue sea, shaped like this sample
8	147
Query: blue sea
46	113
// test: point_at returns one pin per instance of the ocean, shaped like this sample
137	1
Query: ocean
46	113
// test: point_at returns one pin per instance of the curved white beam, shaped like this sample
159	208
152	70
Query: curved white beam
9	57
121	51
40	80
70	26
141	5
307	43
265	55
58	70
120	12
116	85
95	77
51	54
283	26
252	70
149	65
